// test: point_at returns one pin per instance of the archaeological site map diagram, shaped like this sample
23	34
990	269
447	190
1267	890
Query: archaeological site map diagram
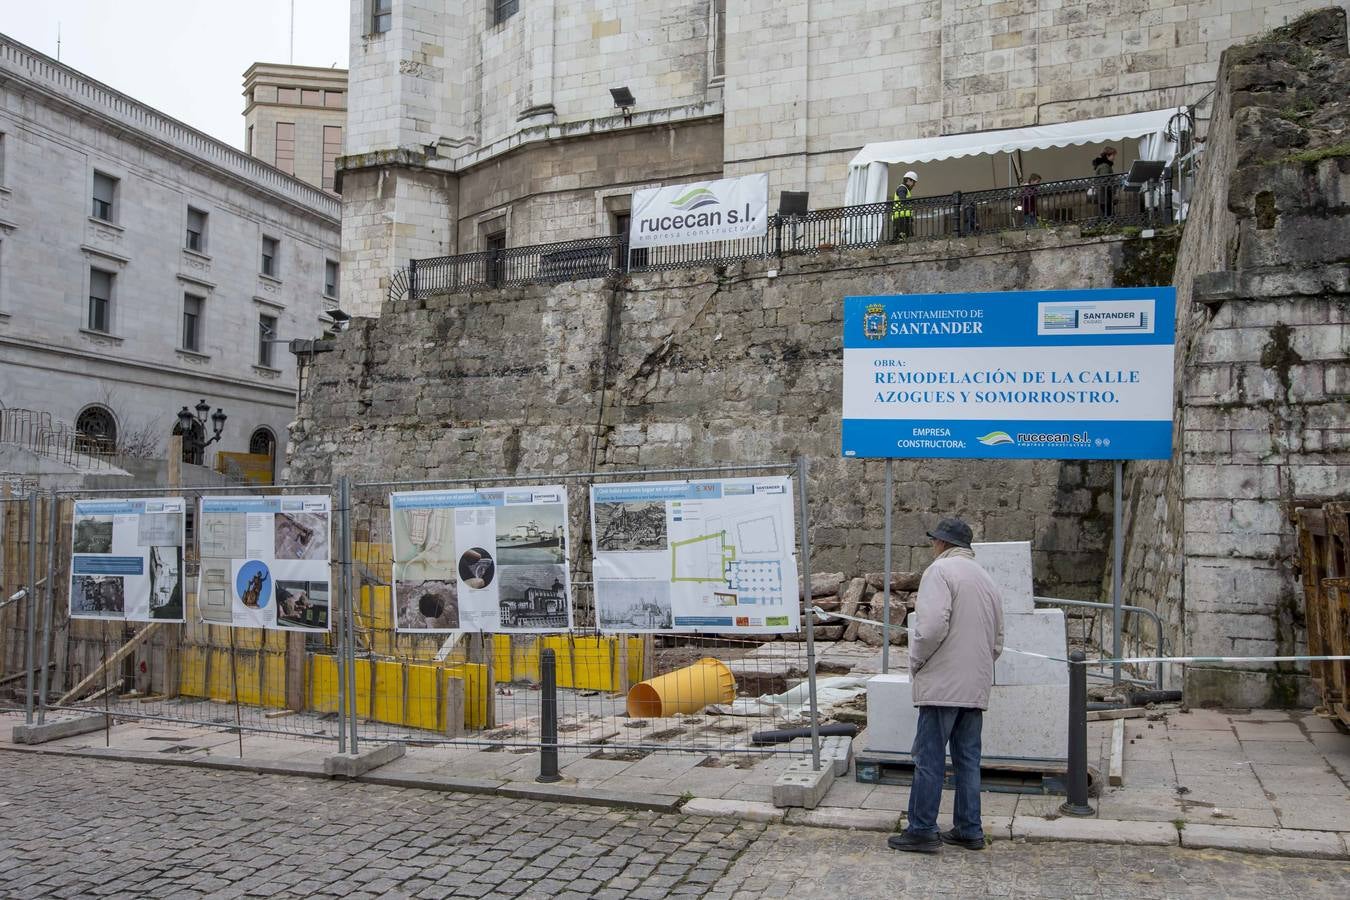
712	556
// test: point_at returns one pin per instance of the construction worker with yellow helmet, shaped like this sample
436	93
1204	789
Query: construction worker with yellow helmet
902	211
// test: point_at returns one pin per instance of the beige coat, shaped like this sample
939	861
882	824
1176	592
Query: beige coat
958	633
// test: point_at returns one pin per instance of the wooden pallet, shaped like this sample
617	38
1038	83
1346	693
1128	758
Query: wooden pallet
1003	775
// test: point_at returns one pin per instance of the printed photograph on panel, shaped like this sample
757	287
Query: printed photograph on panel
301	535
93	534
477	568
97	595
424	544
632	525
214	603
530	533
159	529
431	605
533	596
166	582
302	604
633	605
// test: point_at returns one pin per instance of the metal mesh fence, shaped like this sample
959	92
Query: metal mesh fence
483	690
190	672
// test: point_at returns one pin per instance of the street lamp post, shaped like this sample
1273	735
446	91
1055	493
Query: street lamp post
193	428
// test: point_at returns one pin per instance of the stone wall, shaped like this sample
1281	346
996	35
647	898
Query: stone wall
701	367
1263	340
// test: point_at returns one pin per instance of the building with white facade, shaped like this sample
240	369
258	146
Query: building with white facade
475	124
145	266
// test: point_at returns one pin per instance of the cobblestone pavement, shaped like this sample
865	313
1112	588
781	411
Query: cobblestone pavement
79	827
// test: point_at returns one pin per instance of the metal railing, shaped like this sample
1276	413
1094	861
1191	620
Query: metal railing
1093	632
1103	202
39	433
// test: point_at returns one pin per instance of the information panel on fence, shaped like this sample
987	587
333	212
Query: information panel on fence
128	560
715	556
725	209
481	560
265	562
1084	374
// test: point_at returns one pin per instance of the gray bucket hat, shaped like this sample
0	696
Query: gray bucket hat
953	531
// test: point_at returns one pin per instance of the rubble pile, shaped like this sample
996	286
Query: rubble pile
862	597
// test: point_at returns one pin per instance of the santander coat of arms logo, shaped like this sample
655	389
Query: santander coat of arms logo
874	321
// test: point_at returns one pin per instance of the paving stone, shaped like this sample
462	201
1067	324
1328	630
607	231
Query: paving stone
1278	841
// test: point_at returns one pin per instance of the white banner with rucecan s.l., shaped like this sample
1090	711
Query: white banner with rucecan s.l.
702	211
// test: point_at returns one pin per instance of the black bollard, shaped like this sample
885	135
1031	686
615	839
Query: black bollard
1077	804
548	718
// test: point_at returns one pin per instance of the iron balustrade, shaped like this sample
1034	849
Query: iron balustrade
1100	202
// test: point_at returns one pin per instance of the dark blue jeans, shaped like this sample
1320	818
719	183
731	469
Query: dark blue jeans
938	727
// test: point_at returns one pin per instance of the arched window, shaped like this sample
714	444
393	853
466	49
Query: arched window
96	429
194	449
263	442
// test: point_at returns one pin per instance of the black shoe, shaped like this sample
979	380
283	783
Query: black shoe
911	843
951	837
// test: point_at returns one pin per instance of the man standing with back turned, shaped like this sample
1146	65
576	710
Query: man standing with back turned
958	633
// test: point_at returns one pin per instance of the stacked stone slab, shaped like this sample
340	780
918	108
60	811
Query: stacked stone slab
1028	715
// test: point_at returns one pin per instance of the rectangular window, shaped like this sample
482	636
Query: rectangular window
2	157
332	149
503	10
271	264
286	147
330	278
192	322
311	97
196	230
335	99
105	191
288	95
719	33
248	141
381	16
267	332
100	300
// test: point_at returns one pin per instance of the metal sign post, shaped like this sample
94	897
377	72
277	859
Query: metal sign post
886	583
1117	548
810	619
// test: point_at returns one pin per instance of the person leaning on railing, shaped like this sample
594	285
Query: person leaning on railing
902	211
1103	165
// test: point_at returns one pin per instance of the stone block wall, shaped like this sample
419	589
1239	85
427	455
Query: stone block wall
1263	340
701	367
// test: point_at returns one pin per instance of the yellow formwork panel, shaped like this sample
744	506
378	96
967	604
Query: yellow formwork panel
372	554
274	678
476	694
192	672
363	685
635	667
323	685
422	708
221	675
525	658
376	613
248	677
388	692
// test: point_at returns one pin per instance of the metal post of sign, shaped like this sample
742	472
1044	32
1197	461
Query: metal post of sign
886	578
810	619
30	600
345	506
49	607
1117	549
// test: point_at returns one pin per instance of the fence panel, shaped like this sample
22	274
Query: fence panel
483	690
194	672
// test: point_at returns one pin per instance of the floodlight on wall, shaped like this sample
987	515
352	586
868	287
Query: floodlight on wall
624	99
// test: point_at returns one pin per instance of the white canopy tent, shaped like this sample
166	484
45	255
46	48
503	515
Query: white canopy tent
869	173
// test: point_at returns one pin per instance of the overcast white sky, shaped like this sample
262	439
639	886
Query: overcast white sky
183	57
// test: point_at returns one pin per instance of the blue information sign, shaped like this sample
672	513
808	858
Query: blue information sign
1083	374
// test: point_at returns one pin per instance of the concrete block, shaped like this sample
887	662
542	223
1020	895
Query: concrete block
56	730
800	785
1282	841
746	810
354	765
1110	831
843	817
1009	564
1029	721
1041	631
837	751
